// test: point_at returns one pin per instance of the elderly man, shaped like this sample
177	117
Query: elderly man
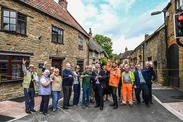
67	85
127	85
141	85
29	82
151	77
98	78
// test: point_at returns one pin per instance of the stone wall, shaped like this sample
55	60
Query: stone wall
39	24
154	47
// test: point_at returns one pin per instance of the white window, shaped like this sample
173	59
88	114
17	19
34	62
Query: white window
179	4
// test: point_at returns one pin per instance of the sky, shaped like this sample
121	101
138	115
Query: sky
124	21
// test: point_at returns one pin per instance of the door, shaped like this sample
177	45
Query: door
174	65
57	63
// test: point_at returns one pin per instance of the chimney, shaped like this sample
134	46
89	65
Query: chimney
146	36
126	49
90	33
63	4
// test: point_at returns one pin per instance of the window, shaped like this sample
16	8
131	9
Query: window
11	68
179	4
57	35
81	64
13	22
147	45
80	43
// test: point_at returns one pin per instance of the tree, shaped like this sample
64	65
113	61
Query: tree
105	43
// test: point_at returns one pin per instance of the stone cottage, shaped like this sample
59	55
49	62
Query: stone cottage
38	31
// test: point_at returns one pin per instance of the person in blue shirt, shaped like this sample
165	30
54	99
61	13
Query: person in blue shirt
140	84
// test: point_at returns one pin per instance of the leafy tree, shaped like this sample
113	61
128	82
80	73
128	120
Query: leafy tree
105	43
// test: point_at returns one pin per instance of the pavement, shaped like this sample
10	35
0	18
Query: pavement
166	107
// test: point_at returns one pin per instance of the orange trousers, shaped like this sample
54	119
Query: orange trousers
127	89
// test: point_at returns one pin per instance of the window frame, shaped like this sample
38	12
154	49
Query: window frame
62	30
16	23
80	47
10	62
179	4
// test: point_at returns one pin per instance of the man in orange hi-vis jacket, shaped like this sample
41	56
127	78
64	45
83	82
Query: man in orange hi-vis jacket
114	80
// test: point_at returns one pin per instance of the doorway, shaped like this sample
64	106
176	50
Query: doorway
57	63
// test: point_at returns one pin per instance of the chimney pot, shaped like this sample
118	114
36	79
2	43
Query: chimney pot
90	33
63	4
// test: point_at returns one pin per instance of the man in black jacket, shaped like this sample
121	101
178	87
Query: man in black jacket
67	85
140	84
98	78
151	77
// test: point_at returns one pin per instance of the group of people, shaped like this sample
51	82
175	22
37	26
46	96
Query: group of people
126	79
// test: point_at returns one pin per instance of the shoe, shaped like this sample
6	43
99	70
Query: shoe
92	101
131	105
28	111
69	105
150	102
75	105
32	110
101	108
54	110
112	104
143	101
65	107
96	106
138	102
46	114
88	106
115	107
83	106
147	105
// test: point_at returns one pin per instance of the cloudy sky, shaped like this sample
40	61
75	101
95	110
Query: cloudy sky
124	21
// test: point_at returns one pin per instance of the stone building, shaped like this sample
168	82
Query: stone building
175	52
153	48
37	30
169	53
96	52
123	56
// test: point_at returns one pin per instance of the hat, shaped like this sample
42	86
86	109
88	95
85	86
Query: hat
51	68
31	65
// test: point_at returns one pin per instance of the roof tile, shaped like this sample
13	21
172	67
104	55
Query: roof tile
52	8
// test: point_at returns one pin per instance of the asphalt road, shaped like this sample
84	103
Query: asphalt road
137	113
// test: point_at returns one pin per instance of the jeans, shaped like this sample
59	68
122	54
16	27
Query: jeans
76	94
114	96
44	103
67	95
86	96
99	91
55	98
29	98
145	94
